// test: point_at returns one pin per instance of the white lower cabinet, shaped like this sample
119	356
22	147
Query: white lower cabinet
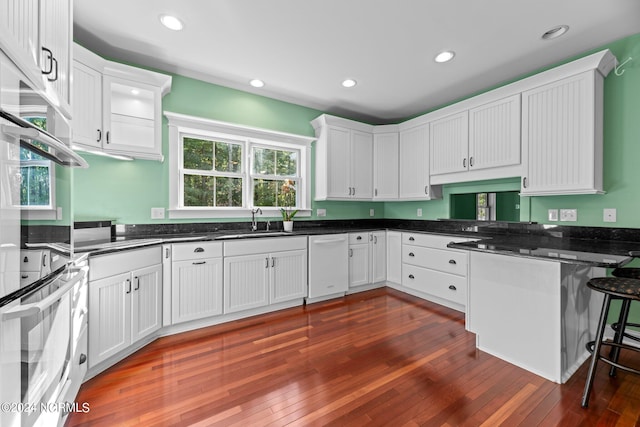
196	281
259	272
436	272
394	256
125	300
367	258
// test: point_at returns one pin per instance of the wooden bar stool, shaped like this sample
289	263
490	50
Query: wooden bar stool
626	289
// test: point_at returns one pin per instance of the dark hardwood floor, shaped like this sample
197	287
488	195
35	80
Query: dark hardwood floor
375	358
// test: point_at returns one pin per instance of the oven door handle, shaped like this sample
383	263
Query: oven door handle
38	307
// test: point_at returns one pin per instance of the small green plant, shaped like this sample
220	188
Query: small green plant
289	192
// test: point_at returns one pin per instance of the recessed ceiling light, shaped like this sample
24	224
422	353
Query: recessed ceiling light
135	92
171	22
555	32
444	56
349	83
256	83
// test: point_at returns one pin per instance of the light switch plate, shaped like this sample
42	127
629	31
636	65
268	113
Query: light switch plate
609	215
372	212
552	214
568	215
419	212
157	213
321	212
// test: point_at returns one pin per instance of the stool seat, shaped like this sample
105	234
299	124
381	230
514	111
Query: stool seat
630	273
623	287
619	286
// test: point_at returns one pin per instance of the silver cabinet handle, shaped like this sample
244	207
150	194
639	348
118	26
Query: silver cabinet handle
411	254
350	253
375	192
273	262
128	286
426	190
199	263
44	260
198	249
452	261
359	238
375	240
370	237
49	69
167	253
99	136
411	238
524	182
108	140
354	191
411	276
453	288
267	262
464	162
471	161
137	279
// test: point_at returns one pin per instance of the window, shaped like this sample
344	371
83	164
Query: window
224	170
36	174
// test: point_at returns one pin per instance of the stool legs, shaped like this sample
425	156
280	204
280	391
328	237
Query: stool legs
619	335
596	350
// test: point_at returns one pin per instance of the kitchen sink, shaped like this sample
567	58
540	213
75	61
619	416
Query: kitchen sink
253	234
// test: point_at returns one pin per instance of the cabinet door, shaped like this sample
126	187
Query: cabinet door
378	257
196	289
129	111
246	282
358	265
288	275
562	136
414	163
361	165
494	134
449	140
109	316
87	108
55	35
385	166
20	34
146	302
394	256
338	163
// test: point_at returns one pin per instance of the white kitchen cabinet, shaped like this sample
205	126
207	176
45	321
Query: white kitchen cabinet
125	301
35	264
261	272
477	143
196	281
328	266
536	314
344	159
394	256
367	258
117	108
385	164
562	136
414	165
36	35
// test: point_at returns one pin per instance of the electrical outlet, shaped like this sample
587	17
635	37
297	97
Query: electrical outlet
609	215
59	213
372	212
321	212
552	214
569	215
419	212
157	213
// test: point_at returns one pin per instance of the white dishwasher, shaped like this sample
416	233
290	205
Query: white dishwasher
328	266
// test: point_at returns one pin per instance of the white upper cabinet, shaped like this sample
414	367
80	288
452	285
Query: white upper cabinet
385	165
117	108
344	159
482	142
414	165
36	35
562	136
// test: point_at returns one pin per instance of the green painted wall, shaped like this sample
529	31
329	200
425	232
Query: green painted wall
126	191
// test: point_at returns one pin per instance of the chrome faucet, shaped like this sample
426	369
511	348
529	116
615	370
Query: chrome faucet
254	223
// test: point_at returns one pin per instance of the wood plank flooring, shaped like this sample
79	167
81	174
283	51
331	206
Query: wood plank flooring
378	358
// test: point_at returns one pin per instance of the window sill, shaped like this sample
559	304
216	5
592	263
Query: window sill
39	214
195	213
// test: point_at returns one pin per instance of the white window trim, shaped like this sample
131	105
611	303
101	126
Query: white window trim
181	124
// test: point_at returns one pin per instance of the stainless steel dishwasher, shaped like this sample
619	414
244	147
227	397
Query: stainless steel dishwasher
328	266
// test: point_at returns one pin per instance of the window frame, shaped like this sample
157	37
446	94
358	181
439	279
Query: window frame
181	126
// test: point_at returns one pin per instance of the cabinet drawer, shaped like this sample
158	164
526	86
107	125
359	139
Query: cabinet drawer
102	266
195	250
431	240
443	285
436	259
263	245
358	238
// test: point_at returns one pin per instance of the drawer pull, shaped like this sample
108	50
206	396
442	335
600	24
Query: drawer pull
200	263
452	261
359	238
411	254
198	250
453	288
411	238
411	276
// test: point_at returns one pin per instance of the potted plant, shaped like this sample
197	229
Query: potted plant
288	200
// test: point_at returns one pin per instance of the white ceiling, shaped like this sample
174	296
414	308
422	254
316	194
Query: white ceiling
303	49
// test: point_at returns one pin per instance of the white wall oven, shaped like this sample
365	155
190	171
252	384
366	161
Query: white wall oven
43	306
